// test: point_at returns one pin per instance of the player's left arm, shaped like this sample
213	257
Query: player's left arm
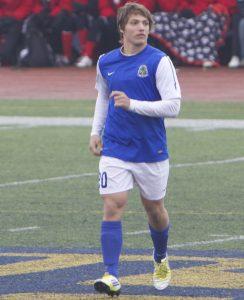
169	90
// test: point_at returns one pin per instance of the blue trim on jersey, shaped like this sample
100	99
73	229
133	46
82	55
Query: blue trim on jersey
128	135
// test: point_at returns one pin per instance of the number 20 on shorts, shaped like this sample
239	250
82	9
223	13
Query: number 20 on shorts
103	179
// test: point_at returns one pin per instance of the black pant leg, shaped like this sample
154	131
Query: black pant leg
235	35
11	42
104	32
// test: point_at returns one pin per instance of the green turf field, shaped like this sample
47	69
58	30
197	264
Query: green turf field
74	108
205	202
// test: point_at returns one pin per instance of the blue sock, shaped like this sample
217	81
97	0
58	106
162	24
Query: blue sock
160	241
111	241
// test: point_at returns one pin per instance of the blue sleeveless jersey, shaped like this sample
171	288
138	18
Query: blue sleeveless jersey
128	135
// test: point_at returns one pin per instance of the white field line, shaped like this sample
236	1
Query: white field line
44	121
205	124
23	229
137	232
197	124
232	238
218	241
211	162
220	235
36	181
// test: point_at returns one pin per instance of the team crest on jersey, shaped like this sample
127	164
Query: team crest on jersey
142	71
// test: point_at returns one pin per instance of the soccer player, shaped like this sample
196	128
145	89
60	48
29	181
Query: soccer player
137	88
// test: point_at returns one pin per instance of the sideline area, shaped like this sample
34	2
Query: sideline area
197	84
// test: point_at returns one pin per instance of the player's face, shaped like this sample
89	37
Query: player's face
136	31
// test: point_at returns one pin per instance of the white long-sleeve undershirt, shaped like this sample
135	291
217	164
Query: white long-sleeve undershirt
101	108
168	106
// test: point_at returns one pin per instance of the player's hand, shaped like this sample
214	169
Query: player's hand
120	99
95	145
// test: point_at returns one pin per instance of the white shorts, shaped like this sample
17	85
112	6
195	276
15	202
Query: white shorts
116	176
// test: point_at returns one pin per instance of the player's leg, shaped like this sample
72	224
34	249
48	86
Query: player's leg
158	221
115	181
111	230
152	185
111	242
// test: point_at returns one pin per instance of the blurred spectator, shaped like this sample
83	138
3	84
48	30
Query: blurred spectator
196	7
103	29
84	13
191	30
54	19
12	15
237	58
167	6
149	4
230	5
192	8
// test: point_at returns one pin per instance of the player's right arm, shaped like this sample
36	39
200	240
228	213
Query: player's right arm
95	145
101	110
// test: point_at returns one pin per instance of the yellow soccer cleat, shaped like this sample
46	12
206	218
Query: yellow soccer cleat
108	284
162	274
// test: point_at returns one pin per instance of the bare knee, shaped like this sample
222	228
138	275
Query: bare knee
157	214
113	206
154	207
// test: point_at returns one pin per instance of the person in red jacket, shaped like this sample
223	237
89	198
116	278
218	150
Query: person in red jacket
149	4
54	19
84	14
199	6
167	6
12	15
103	29
229	5
192	8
